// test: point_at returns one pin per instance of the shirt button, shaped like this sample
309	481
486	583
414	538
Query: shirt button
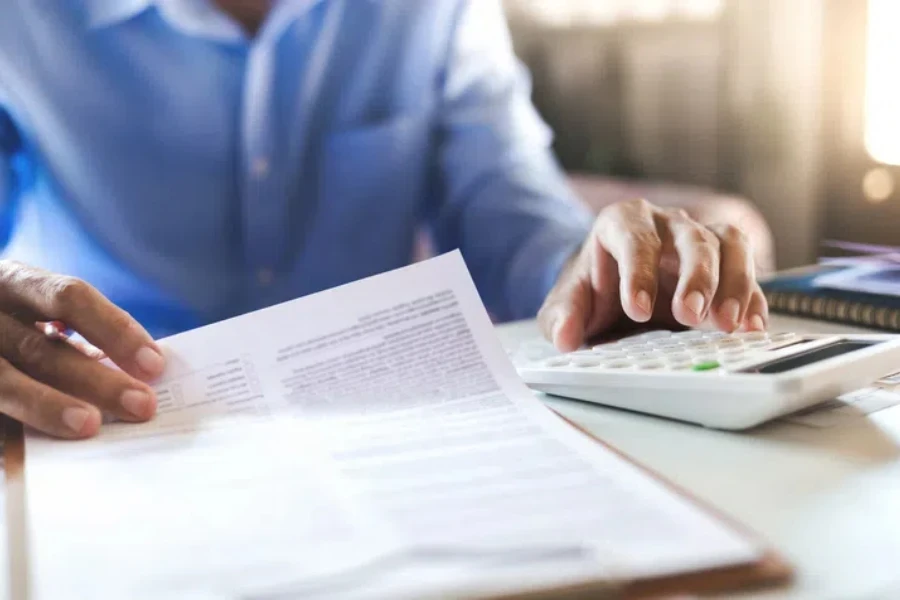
265	276
260	168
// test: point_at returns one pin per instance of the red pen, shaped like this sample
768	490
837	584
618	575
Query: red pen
55	330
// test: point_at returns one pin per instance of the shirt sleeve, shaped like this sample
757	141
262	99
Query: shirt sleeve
505	201
10	147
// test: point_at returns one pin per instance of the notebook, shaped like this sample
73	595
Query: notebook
370	441
807	293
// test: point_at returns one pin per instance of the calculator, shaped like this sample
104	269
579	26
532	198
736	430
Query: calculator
718	380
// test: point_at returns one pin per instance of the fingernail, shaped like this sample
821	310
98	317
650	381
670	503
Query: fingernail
554	330
730	310
757	323
150	361
138	403
643	302
75	418
694	303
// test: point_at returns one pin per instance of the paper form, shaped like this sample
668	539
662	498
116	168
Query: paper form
372	440
5	582
846	409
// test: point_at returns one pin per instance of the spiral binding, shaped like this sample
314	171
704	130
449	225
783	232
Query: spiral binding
837	311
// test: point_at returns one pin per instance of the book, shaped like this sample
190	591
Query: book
802	293
370	441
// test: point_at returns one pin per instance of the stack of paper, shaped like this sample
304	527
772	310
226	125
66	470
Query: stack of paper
368	441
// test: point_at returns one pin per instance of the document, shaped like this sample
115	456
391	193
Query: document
369	441
846	409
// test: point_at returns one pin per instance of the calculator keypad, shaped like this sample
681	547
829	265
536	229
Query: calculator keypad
673	351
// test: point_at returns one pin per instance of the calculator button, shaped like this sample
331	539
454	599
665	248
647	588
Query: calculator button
618	364
556	361
586	360
681	366
780	338
730	359
615	347
667	343
691	334
754	336
619	346
732	352
759	345
714	335
703	351
651	365
706	366
698	343
608	352
699	359
653	335
729	343
642	354
631	343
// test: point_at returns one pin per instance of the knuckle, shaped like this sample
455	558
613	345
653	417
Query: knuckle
734	235
644	273
701	236
8	266
121	322
640	204
740	286
67	293
31	348
706	274
677	215
644	241
626	209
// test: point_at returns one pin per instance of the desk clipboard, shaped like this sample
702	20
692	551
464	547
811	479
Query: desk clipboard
770	570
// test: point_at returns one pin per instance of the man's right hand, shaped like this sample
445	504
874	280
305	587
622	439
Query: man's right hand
50	384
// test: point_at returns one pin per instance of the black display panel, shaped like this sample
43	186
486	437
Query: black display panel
795	361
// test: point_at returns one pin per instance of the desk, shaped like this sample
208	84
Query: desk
827	499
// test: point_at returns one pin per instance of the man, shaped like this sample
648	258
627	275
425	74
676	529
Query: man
195	159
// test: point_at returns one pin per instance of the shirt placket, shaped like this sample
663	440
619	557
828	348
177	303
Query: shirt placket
265	199
264	207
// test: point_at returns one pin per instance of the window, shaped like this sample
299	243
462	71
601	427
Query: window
882	103
563	13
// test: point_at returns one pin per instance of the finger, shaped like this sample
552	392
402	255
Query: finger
54	329
564	313
57	330
698	255
628	232
563	317
736	278
44	408
89	350
62	367
43	296
757	316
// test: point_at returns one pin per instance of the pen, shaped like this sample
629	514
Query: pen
55	330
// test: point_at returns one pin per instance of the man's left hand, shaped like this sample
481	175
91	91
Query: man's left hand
643	265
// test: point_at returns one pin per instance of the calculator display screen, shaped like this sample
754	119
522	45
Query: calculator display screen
809	357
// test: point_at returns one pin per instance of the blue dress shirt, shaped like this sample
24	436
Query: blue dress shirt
192	173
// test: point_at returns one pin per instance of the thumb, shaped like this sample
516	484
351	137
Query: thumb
566	314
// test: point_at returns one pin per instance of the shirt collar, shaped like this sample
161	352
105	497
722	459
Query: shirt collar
103	13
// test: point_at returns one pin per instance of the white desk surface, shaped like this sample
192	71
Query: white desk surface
828	500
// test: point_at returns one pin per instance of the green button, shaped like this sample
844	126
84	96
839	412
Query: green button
706	366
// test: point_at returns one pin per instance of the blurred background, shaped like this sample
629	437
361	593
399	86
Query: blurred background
793	105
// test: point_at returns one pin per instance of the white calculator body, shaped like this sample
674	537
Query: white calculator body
724	381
